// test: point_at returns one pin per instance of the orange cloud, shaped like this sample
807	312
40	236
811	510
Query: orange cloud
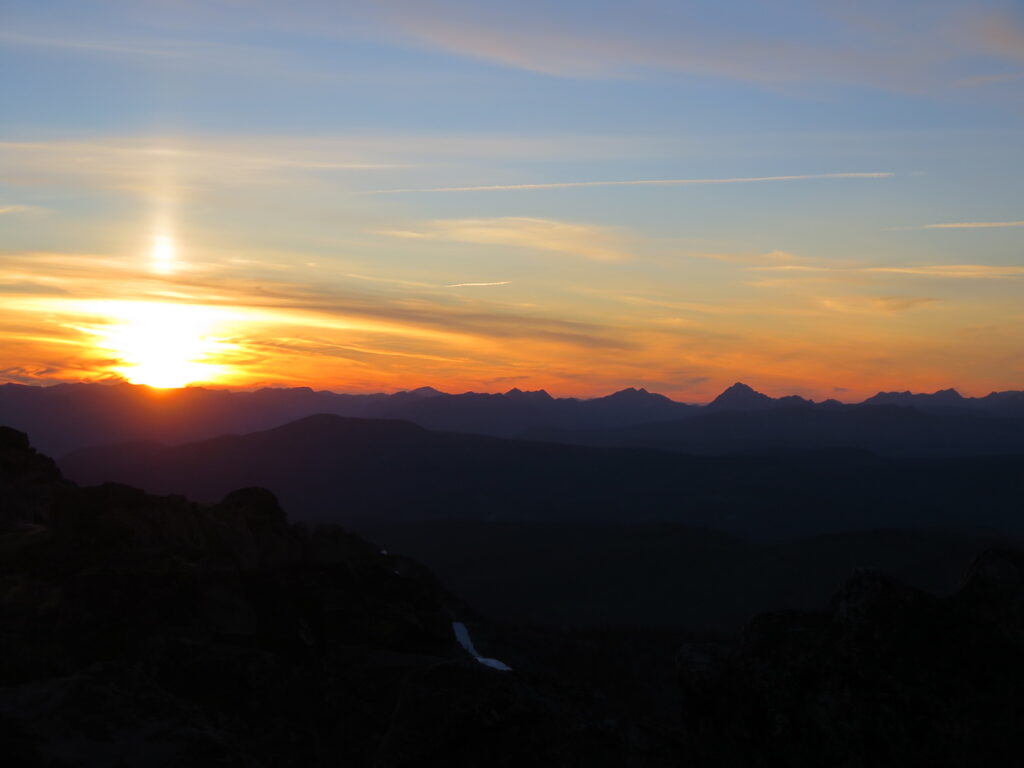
875	304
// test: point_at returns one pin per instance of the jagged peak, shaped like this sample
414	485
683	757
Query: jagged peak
948	395
740	394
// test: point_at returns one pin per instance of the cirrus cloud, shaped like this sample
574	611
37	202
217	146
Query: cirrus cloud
575	239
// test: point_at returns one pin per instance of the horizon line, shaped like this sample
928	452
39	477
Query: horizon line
257	388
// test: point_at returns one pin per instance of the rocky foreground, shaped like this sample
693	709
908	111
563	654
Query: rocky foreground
140	630
886	676
151	631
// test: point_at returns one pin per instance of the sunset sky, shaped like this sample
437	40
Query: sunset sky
820	198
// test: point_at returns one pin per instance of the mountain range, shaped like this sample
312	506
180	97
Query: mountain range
361	472
68	417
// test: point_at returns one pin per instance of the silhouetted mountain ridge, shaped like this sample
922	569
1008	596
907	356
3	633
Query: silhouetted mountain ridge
368	472
71	416
940	398
742	397
888	430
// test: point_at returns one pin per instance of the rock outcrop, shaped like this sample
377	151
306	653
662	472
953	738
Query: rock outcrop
151	630
886	676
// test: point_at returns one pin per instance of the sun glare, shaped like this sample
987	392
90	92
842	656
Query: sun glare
162	254
163	345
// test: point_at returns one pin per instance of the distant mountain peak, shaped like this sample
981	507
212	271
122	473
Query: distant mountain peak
537	394
940	397
629	392
740	396
420	392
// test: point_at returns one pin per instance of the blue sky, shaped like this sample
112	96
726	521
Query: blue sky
332	175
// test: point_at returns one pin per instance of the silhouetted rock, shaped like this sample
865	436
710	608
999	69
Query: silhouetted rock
887	676
663	575
152	630
29	478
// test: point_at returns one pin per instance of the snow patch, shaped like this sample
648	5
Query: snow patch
494	664
462	635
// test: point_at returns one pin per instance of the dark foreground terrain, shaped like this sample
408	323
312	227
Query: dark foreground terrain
142	630
151	630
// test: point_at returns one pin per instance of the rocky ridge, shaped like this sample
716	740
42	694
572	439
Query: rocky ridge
148	630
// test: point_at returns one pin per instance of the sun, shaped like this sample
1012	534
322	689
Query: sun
162	254
163	345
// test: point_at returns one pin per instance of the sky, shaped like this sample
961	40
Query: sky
819	198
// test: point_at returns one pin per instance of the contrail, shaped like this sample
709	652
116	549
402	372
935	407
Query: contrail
634	183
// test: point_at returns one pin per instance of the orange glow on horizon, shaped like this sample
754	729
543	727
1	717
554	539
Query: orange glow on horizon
205	340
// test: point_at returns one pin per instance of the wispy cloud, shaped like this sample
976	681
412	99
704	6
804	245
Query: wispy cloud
571	238
118	159
902	303
188	165
768	260
981	80
923	43
790	268
823	271
12	209
889	305
637	183
477	285
188	47
155	49
430	320
915	46
29	288
683	306
966	271
974	225
612	41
